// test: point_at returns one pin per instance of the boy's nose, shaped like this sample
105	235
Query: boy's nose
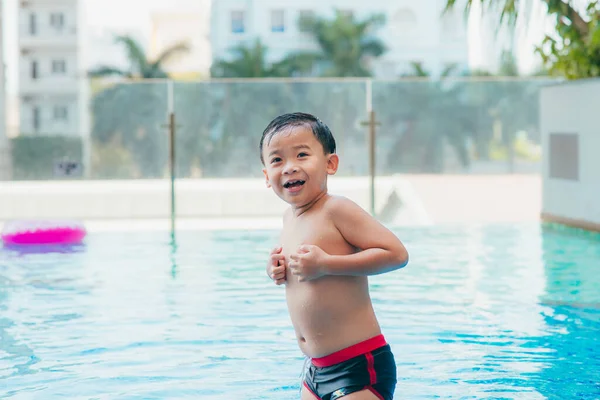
290	169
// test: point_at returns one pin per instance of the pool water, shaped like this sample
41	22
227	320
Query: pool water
502	311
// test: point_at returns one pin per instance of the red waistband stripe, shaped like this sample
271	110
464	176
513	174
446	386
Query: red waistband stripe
350	352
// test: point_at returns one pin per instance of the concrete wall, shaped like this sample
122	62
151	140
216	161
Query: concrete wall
571	153
403	200
148	199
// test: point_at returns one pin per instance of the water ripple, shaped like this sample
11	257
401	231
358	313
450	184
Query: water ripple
481	312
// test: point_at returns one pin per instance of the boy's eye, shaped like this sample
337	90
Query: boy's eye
275	160
302	155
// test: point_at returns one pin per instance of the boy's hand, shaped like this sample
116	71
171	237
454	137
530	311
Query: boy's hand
307	264
276	266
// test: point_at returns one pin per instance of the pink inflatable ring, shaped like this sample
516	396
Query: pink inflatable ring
43	232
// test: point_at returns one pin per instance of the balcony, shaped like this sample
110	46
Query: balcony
49	39
68	86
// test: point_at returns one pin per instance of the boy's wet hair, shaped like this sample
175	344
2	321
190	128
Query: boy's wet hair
320	130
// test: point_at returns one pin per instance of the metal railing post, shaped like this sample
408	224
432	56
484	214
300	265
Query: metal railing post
172	166
372	124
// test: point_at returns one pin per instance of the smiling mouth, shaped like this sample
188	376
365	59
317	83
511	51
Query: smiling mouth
292	184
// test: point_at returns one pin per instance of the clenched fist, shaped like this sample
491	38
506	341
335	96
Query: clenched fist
276	266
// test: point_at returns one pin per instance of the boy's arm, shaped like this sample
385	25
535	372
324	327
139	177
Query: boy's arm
380	250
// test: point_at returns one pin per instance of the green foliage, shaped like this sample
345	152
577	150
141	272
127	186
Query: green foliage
219	126
112	161
132	116
222	122
480	112
140	65
127	118
415	140
508	9
573	52
251	62
422	118
345	43
508	64
411	139
345	47
34	157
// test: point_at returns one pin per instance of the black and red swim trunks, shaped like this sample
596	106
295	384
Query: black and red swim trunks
366	365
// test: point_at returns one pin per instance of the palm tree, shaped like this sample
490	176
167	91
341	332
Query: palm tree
464	109
345	49
510	10
466	112
346	45
127	117
508	65
416	142
419	71
140	66
251	62
574	51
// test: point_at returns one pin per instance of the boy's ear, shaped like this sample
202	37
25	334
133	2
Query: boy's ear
266	177
332	163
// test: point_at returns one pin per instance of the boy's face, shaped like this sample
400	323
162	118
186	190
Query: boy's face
296	167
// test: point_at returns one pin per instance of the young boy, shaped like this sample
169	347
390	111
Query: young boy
328	247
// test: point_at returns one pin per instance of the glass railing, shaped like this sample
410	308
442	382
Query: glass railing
128	135
220	123
458	126
465	126
128	145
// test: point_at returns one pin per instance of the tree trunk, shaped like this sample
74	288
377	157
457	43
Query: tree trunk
564	8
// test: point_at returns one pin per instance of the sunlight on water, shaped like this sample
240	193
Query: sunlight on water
480	312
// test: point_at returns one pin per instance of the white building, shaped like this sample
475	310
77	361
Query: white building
2	83
51	80
415	31
4	158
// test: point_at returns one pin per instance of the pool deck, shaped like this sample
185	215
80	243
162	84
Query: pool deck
402	200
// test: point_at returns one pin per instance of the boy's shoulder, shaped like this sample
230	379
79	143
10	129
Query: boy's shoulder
338	206
334	205
336	201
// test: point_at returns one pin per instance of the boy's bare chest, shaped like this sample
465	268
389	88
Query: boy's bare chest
319	232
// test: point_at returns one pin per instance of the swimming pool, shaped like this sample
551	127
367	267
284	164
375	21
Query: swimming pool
480	312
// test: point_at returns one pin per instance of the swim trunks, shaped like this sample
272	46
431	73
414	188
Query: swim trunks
367	365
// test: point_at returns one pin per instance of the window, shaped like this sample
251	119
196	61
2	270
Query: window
34	69
60	113
305	15
57	20
36	118
32	24
59	67
564	156
277	21
237	22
